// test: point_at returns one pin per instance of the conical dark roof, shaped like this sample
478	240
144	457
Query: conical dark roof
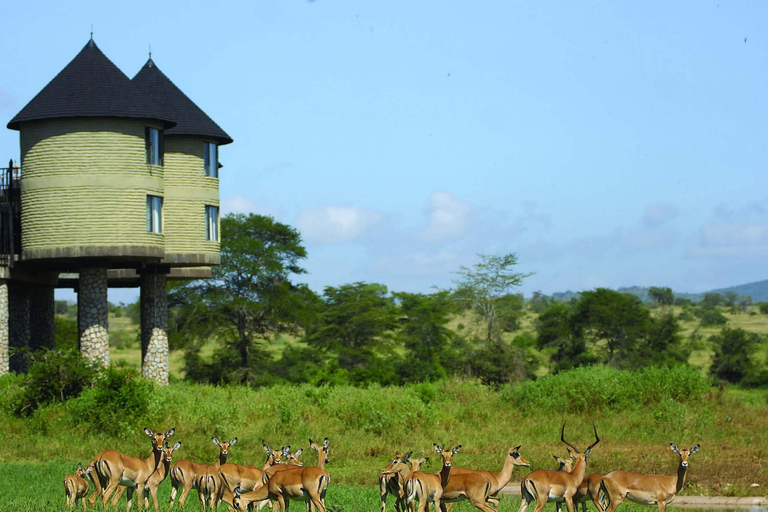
91	86
190	119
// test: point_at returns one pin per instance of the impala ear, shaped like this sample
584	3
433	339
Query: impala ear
215	441
325	442
79	466
286	450
694	448
177	445
232	441
170	432
456	449
238	491
149	432
408	455
674	448
299	452
517	448
437	448
267	448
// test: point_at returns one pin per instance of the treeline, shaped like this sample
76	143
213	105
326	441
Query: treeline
362	333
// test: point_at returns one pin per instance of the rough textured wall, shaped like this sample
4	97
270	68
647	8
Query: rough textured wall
85	183
187	191
18	324
93	315
4	346
154	327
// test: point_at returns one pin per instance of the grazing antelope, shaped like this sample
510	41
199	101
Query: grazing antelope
303	483
114	468
186	474
426	487
544	485
76	487
155	480
501	479
645	489
391	480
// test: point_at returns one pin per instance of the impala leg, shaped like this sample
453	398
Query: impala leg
183	496
662	505
569	503
129	497
174	491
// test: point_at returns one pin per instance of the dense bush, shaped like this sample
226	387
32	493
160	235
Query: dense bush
603	387
53	376
733	355
710	316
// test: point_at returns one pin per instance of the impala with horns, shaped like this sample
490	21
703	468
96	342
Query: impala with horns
545	485
76	487
588	490
186	474
501	479
114	468
657	490
428	487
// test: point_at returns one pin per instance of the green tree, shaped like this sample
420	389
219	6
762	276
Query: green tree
483	286
662	296
732	360
743	303
712	299
249	299
555	330
618	319
425	335
356	321
663	345
729	298
539	302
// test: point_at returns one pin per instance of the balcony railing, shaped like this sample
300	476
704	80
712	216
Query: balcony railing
10	214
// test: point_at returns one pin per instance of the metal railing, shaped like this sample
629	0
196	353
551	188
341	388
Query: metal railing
10	214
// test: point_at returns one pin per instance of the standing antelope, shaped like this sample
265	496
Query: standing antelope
543	485
114	468
501	479
427	487
246	477
588	489
186	474
404	473
303	483
646	489
76	487
391	481
155	480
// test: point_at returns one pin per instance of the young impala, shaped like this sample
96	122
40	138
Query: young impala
76	487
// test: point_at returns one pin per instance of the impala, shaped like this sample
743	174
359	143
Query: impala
391	481
303	483
404	475
155	480
247	477
501	479
427	487
646	489
543	485
76	487
114	468
186	474
588	489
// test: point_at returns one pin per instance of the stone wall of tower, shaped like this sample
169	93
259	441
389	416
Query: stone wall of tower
92	310
154	326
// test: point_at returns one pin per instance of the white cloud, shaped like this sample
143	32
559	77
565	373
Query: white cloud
659	214
241	204
741	233
448	217
330	224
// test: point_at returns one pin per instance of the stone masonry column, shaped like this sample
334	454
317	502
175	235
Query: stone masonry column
42	317
92	315
4	346
154	326
18	324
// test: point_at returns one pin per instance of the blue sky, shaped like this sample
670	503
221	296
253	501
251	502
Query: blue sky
606	143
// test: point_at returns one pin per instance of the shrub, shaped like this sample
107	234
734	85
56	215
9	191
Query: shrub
54	376
733	354
710	316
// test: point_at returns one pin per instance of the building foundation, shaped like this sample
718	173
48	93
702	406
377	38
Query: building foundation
42	317
18	326
5	360
92	312
154	325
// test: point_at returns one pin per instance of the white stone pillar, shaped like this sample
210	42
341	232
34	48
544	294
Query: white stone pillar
154	326
93	315
4	346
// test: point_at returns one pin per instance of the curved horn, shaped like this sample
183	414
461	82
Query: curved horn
562	438
597	439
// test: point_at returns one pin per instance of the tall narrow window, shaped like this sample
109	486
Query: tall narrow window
211	160
154	214
154	146
212	223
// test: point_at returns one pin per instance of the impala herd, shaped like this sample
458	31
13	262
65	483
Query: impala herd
284	478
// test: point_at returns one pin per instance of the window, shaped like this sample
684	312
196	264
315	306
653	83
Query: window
212	223
153	139
211	160
154	214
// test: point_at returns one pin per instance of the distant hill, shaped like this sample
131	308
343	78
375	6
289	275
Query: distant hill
758	291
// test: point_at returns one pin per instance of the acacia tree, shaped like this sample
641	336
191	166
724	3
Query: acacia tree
249	298
483	287
662	296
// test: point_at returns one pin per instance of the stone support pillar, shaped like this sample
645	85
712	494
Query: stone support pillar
154	326
5	359
42	317
18	325
92	315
